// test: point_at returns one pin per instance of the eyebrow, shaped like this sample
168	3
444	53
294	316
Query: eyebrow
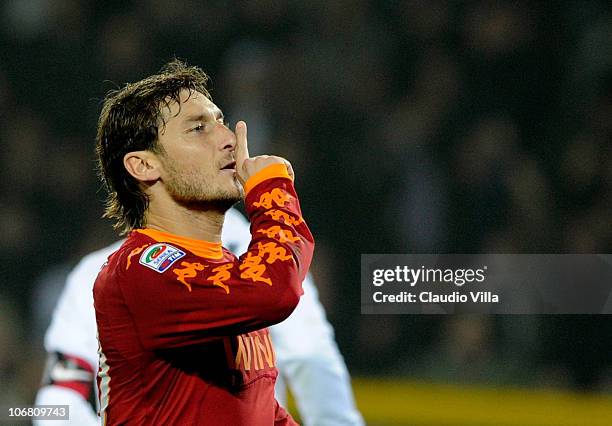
200	117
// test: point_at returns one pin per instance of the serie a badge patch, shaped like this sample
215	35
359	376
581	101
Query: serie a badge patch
160	257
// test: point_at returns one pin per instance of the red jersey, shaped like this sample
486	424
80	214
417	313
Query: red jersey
181	322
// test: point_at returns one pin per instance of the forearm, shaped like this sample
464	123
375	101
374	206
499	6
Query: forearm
279	233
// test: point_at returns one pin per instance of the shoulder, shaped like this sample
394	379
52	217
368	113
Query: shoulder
141	251
154	255
144	259
139	266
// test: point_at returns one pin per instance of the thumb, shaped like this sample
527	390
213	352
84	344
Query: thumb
242	146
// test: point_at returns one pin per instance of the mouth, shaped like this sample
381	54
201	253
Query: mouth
230	166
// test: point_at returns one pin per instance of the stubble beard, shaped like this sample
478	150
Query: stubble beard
198	192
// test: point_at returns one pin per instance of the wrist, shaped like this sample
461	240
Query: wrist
272	171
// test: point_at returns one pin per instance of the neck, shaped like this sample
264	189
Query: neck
185	221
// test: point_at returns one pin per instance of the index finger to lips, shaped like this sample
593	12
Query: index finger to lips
242	147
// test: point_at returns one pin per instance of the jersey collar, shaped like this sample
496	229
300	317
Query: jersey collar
200	248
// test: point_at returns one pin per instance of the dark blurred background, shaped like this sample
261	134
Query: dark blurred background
413	126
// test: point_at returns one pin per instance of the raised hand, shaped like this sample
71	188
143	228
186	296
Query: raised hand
247	166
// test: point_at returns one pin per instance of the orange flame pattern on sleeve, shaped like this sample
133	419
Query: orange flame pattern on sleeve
222	274
253	266
276	196
288	219
190	270
274	252
134	252
253	269
284	235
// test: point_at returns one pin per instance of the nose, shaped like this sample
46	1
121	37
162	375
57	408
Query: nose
228	140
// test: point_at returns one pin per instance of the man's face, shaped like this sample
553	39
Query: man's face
198	154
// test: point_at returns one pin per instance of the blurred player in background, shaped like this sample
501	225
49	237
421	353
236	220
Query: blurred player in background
306	353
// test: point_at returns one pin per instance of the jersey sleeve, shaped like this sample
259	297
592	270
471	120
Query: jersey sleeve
196	299
308	357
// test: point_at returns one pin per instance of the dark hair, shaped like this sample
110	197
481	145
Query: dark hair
130	119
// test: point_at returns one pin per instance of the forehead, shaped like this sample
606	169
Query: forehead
192	104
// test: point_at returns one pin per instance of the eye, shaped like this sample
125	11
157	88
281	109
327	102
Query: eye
199	128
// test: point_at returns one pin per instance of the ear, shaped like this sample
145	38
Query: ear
142	165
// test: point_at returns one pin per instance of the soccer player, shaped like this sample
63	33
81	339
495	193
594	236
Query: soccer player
306	353
181	320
